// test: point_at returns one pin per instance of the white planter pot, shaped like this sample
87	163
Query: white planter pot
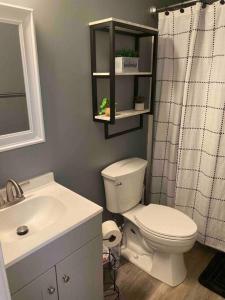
126	64
139	106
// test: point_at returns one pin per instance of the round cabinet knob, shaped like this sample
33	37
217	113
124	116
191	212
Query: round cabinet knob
51	290
66	278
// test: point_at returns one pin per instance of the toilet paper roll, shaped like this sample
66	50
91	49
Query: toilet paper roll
111	234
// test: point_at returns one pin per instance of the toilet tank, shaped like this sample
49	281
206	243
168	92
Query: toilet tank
123	182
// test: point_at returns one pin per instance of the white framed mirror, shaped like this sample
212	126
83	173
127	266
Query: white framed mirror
21	116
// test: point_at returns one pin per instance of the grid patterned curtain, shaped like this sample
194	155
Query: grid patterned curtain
188	169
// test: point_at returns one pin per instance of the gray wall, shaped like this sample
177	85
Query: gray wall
75	148
164	3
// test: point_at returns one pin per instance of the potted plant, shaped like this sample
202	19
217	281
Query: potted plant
126	61
139	103
105	107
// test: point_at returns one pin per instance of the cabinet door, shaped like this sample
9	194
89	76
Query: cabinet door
80	275
42	288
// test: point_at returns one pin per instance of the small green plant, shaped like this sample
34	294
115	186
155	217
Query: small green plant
104	104
126	53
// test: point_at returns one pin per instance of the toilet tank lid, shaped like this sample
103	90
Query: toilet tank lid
124	167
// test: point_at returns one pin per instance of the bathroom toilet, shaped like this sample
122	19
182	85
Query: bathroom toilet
154	236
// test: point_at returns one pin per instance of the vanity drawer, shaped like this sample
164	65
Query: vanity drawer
37	263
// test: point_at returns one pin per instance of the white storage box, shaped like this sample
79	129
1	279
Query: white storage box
139	106
126	64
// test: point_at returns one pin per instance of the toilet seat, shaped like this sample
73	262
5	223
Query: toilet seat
171	244
165	222
152	234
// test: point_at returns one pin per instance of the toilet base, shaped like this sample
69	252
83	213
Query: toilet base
169	268
142	261
166	267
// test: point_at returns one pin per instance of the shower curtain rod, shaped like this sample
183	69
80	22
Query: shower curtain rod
154	10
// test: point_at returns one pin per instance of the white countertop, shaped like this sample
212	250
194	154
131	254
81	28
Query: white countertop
75	211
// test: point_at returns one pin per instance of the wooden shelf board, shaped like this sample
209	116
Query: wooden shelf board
123	22
123	114
123	74
101	74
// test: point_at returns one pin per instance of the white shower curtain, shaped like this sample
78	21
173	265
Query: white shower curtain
188	170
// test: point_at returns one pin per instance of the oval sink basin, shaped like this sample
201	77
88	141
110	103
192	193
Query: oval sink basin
37	213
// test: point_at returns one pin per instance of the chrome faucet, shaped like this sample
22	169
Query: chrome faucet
2	201
14	194
19	196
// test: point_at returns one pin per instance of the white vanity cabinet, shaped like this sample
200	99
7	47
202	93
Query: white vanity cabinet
78	276
42	288
69	268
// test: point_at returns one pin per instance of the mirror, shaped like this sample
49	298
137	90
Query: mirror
13	103
21	118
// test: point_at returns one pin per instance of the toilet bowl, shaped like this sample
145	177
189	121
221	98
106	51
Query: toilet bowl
154	236
153	242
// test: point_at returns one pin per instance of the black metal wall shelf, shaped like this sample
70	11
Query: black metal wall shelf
115	26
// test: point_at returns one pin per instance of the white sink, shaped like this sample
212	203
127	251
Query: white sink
37	213
49	211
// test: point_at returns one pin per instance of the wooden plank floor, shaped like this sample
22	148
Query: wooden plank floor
135	284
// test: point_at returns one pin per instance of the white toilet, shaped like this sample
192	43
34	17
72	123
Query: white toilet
154	236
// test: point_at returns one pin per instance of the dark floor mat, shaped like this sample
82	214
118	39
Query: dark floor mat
213	277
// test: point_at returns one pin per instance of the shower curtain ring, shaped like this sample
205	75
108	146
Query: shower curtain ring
204	3
222	2
167	13
182	10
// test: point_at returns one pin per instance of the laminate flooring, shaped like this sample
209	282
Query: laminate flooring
134	284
